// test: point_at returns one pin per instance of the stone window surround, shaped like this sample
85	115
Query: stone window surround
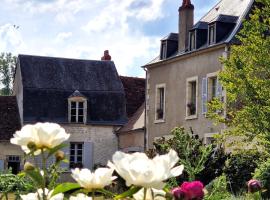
188	81
158	86
77	99
209	76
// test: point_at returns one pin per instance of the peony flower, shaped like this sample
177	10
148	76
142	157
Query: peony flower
190	191
137	169
39	136
157	194
178	193
39	194
80	196
254	185
88	180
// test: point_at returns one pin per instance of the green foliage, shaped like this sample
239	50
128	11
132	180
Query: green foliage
7	69
239	168
217	189
192	153
262	173
10	183
246	80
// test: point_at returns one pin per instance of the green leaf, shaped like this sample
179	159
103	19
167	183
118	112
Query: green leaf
106	192
128	193
36	176
65	187
55	149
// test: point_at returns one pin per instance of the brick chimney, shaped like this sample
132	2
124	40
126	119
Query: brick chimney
106	55
186	20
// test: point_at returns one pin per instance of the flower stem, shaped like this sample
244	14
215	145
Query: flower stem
144	193
45	174
93	194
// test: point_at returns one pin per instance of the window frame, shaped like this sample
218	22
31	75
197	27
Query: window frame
163	50
192	40
77	100
188	97
158	87
212	40
210	76
76	149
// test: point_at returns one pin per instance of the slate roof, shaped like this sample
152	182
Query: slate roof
233	11
48	82
9	117
135	93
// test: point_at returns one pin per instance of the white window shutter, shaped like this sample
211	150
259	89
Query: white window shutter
66	150
2	165
88	148
204	95
219	90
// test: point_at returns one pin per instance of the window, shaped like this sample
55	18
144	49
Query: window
212	34
209	139
163	50
192	41
191	97
212	88
76	155
160	103
14	163
77	110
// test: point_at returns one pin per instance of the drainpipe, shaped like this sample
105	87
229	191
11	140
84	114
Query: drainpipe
145	110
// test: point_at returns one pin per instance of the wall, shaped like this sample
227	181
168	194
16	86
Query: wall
103	138
131	141
18	90
174	75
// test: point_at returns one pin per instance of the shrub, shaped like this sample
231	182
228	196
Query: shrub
239	168
262	173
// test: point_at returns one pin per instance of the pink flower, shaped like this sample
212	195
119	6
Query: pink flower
189	191
254	185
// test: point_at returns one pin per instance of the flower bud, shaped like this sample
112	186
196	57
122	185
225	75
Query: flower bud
32	146
59	155
28	166
192	190
254	185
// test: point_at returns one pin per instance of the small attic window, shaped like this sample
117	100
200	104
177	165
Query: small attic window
212	34
163	53
77	108
192	40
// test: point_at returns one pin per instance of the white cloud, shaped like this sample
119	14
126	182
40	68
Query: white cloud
63	36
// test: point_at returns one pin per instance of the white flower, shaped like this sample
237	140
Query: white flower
137	169
157	194
41	135
39	194
88	180
80	196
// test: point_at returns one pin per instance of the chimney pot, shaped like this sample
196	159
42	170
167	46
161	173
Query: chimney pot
106	55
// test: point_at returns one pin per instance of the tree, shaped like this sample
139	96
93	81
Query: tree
246	80
7	68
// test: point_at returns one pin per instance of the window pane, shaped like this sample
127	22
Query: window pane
80	112
73	104
71	158
79	159
80	105
73	119
72	145
73	111
80	119
79	146
79	152
72	152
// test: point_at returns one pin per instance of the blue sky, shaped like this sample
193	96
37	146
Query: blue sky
130	29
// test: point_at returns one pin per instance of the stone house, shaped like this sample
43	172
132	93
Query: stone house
183	78
85	97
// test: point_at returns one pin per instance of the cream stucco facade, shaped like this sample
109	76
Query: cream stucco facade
174	73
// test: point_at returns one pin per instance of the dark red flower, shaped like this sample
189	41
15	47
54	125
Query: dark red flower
192	190
178	193
254	185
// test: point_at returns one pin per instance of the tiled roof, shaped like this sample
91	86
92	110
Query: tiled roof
9	117
136	122
135	93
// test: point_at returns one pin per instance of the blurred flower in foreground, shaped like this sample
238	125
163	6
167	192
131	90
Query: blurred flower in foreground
137	169
150	194
39	195
189	191
254	185
96	180
80	196
39	136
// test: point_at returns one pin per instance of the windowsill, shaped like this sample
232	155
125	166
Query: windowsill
158	121
190	117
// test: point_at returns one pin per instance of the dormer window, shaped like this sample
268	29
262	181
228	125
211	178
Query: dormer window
212	34
77	104
163	50
192	40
